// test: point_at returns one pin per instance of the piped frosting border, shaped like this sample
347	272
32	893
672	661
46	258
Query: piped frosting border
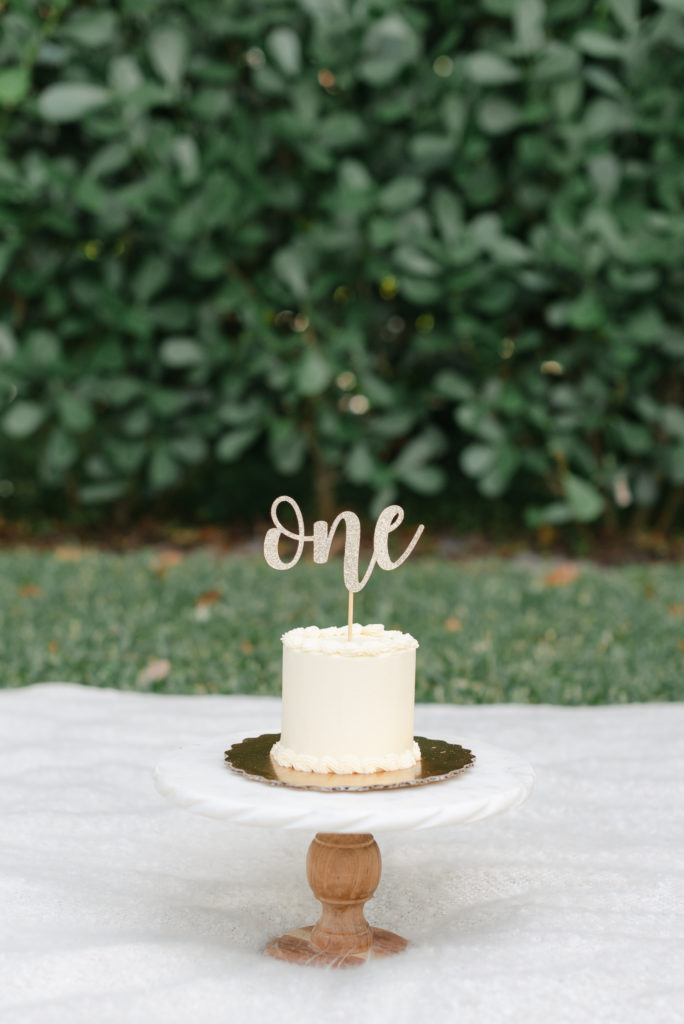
367	641
346	765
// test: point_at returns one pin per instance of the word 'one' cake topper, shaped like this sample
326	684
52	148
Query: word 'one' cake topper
322	537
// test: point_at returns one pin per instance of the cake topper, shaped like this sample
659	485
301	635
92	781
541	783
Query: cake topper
322	537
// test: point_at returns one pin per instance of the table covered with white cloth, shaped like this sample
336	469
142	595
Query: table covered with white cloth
116	906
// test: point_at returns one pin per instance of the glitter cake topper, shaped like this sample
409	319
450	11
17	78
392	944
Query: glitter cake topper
322	537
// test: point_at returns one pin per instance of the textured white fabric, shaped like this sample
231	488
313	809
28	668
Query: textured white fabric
116	906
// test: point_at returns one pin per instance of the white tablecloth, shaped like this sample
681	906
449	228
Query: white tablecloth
116	906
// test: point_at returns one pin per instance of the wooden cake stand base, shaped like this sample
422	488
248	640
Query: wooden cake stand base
343	872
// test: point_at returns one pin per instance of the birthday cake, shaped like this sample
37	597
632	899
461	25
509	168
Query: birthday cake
347	703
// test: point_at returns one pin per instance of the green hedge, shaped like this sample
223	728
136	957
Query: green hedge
384	245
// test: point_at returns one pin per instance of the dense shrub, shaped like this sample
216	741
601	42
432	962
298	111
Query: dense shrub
384	242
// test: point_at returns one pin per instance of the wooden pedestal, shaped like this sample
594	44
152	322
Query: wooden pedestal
343	872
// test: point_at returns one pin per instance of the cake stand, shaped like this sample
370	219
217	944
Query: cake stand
343	862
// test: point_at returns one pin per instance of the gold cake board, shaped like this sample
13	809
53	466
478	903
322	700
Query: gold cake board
439	760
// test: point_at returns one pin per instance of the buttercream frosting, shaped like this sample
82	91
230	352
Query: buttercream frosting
346	764
367	641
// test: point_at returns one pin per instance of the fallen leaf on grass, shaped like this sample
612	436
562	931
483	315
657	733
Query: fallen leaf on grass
546	535
247	647
30	590
154	671
675	609
561	575
68	553
208	597
166	560
453	625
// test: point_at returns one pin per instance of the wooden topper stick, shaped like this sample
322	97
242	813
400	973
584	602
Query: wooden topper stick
350	614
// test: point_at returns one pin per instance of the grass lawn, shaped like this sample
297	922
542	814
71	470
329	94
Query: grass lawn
489	630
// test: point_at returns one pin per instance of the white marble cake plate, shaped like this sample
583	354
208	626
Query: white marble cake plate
343	863
198	779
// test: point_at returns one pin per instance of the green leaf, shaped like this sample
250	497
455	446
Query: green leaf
672	420
448	214
586	503
556	513
586	312
646	489
23	418
626	12
14	85
453	385
496	115
152	275
598	44
167	47
557	61
313	373
290	266
70	101
354	176
126	456
430	149
426	480
124	74
61	451
191	449
109	160
394	424
361	467
341	130
237	413
187	158
495	481
454	113
528	24
605	172
635	437
231	445
509	252
119	391
676	464
90	28
401	194
486	68
475	419
284	46
413	261
8	343
418	451
101	493
419	291
286	446
180	353
75	413
477	459
163	470
389	45
605	117
136	423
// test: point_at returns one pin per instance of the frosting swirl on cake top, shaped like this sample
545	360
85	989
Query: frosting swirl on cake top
367	641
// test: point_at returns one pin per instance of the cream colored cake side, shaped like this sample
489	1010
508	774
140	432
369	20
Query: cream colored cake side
349	713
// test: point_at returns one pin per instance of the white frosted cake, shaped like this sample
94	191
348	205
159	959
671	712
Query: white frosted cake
348	704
